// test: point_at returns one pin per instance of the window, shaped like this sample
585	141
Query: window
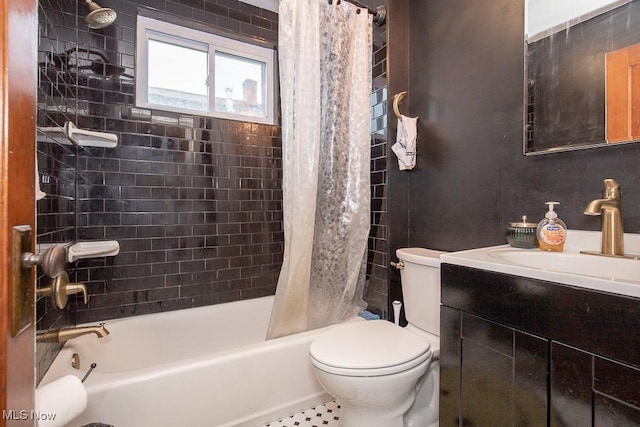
184	70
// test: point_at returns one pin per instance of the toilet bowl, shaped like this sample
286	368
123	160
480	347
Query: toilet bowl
375	385
384	375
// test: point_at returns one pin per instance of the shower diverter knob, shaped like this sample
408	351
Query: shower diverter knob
52	261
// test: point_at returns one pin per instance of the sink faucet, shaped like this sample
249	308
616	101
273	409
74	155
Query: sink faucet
611	210
64	334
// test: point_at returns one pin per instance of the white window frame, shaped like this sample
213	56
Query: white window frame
148	28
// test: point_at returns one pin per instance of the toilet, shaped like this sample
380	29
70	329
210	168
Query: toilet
384	375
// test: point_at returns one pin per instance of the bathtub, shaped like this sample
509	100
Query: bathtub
207	366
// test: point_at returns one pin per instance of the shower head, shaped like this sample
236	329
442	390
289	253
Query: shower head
99	17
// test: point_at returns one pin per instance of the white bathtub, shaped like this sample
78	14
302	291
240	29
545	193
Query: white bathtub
207	366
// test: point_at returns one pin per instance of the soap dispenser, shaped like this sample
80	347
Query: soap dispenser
551	231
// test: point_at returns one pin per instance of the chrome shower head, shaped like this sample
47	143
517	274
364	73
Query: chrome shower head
99	17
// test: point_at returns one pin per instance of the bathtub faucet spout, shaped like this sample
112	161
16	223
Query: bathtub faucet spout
65	334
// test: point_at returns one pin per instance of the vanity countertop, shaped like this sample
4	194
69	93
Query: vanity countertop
570	267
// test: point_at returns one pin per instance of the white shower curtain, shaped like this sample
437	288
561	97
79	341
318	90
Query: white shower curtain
325	79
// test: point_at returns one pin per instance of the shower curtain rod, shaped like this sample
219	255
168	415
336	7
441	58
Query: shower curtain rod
379	13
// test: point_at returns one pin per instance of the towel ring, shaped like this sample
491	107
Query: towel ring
397	99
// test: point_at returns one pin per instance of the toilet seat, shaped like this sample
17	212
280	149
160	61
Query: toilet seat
355	350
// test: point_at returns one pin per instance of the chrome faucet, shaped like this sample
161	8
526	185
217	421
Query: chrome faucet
610	207
65	334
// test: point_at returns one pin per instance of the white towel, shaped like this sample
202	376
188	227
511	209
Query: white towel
405	146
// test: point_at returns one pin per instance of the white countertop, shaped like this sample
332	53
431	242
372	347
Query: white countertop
620	276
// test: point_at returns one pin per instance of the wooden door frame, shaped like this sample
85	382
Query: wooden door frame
18	67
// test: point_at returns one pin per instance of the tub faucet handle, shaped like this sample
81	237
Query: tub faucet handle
76	288
60	289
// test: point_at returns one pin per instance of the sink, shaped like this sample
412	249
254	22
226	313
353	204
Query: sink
610	268
571	267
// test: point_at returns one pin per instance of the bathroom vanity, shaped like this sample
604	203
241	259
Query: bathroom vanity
529	344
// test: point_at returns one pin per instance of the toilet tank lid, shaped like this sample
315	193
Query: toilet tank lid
420	256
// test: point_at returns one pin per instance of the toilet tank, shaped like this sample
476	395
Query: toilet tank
421	287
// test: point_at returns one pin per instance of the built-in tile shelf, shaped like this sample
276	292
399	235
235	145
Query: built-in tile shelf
52	134
86	249
70	134
92	249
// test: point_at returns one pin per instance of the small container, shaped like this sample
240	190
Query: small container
522	234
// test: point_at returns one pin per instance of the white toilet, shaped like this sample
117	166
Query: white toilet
384	375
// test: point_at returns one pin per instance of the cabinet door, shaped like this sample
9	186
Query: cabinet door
587	390
502	374
450	350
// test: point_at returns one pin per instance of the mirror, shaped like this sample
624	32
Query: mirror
569	100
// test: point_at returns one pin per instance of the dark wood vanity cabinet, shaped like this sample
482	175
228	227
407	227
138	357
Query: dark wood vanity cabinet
516	351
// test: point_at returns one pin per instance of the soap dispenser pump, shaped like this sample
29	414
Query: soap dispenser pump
551	231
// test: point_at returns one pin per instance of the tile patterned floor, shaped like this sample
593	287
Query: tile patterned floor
326	415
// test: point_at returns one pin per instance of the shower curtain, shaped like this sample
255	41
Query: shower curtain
325	78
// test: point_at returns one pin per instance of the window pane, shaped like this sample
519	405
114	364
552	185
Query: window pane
186	70
240	85
177	76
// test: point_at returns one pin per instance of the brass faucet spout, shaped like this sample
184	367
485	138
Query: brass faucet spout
610	207
595	207
65	334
